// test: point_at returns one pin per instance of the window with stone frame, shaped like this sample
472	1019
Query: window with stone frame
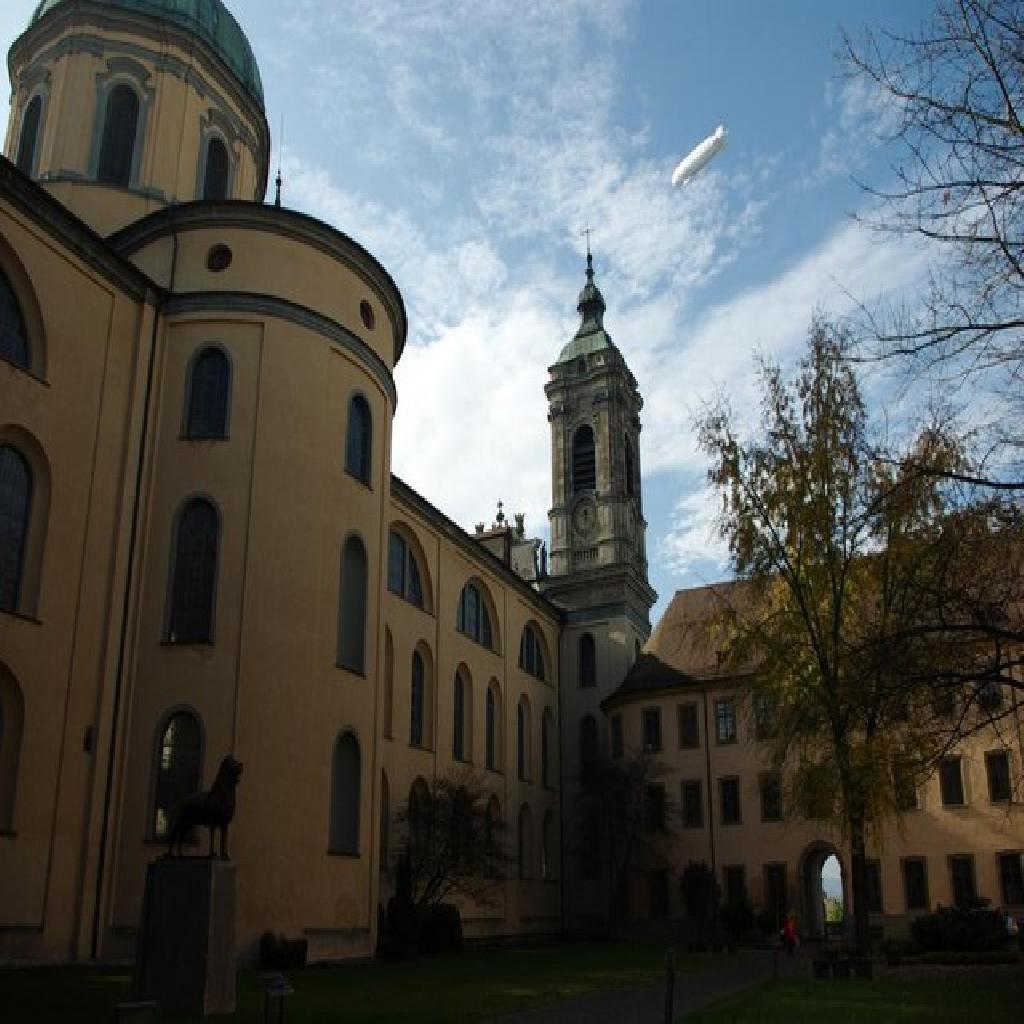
689	726
120	131
16	485
346	774
403	570
359	439
961	872
28	138
915	882
217	169
651	724
1011	879
208	390
725	720
584	460
997	767
531	653
770	784
729	793
473	619
951	782
693	803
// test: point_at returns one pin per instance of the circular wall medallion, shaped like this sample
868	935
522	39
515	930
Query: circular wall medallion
584	518
219	258
366	315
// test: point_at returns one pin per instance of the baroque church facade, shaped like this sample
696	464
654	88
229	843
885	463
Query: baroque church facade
203	549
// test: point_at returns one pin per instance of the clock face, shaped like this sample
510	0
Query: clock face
584	518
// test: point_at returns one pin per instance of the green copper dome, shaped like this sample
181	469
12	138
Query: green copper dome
209	19
591	337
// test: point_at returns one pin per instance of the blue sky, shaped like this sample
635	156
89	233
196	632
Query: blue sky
468	142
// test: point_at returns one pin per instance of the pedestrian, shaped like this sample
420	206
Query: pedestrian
789	935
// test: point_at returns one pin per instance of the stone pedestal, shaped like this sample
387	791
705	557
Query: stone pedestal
185	959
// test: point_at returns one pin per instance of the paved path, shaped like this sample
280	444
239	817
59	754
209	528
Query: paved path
693	991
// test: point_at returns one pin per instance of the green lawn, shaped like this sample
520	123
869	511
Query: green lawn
452	990
991	1000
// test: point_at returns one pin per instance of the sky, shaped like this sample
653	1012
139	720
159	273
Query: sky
468	143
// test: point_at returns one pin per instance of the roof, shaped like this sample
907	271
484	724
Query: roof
649	675
209	19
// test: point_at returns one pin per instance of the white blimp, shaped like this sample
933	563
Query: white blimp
700	156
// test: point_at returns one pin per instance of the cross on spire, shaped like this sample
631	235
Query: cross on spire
588	231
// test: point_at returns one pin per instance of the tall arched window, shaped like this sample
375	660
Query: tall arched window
12	718
352	607
492	731
588	742
459	718
627	449
385	822
403	571
420	818
215	173
531	653
493	838
417	700
584	461
194	580
29	137
120	128
209	384
523	739
588	661
359	441
13	334
15	510
525	842
346	778
473	619
547	846
178	774
546	731
389	684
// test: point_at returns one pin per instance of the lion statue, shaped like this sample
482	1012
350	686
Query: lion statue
213	810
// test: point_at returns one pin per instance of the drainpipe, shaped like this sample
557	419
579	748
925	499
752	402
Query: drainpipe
711	816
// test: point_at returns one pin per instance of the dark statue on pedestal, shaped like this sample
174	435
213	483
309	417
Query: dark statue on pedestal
212	810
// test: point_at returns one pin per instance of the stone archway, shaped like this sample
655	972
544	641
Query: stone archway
812	921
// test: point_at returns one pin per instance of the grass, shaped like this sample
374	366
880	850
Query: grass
993	1000
454	990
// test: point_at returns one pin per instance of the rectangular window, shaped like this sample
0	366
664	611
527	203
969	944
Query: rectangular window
735	878
915	883
725	720
874	880
652	729
997	764
654	807
730	794
1011	879
951	782
764	716
961	873
689	730
396	564
771	796
693	803
776	900
617	747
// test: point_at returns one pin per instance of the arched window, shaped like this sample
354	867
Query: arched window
493	838
359	442
547	847
346	775
523	739
12	718
385	822
403	571
473	618
492	730
178	772
352	607
588	661
209	383
418	699
215	173
389	684
588	742
420	819
120	128
590	849
13	334
531	653
525	842
15	510
627	449
194	579
584	462
29	137
546	731
459	718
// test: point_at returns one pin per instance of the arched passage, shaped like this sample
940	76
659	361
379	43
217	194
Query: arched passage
813	889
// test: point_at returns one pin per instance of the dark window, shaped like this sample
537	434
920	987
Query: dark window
208	386
117	151
584	463
627	450
417	695
13	335
588	742
590	849
617	743
521	738
873	873
403	572
765	716
359	442
997	764
693	803
29	135
525	842
177	770
421	822
389	684
15	509
588	661
490	731
531	654
657	882
12	720
346	772
915	883
385	823
961	870
689	729
1011	879
654	807
459	719
215	177
725	720
951	782
473	618
771	796
776	899
730	795
547	845
735	877
352	607
195	574
652	729
545	743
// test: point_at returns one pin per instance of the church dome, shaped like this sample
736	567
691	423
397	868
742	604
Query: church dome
208	19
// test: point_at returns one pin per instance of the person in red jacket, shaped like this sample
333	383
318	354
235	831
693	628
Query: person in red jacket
789	935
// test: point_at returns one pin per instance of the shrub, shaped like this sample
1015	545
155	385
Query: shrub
738	918
440	929
959	930
767	923
699	890
280	954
